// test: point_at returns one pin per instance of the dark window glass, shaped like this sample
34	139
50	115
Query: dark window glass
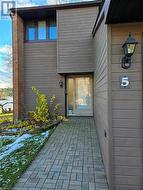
52	31
41	30
30	31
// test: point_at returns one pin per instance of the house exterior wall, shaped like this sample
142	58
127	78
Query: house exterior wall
127	112
40	70
18	83
37	63
75	39
117	112
101	94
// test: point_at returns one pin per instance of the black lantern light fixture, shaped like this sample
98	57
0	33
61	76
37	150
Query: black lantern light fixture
61	83
129	48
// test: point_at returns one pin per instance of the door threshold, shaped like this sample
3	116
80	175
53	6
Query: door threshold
79	115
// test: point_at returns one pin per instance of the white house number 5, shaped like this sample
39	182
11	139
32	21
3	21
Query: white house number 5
124	81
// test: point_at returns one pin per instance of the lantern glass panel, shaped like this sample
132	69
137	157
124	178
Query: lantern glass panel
130	48
125	48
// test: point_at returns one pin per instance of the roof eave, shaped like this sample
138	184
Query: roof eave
102	15
59	6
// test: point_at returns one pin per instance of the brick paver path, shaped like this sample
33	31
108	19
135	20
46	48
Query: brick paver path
70	160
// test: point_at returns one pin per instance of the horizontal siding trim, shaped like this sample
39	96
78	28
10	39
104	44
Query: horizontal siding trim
74	46
128	133
129	171
130	161
128	151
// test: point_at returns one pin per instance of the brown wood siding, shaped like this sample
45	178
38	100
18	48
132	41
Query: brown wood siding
75	39
101	91
18	39
127	112
40	70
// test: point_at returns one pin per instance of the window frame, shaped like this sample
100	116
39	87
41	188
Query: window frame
26	32
36	32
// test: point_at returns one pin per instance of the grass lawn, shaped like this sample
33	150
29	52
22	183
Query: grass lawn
14	164
6	118
20	143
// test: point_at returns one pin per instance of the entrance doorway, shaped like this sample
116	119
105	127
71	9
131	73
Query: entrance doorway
79	95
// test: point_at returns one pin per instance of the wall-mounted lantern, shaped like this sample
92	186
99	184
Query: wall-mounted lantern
129	48
61	83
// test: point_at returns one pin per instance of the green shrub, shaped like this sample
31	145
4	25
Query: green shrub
41	115
45	113
54	109
6	118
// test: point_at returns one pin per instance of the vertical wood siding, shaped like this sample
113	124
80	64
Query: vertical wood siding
40	70
75	39
101	98
127	112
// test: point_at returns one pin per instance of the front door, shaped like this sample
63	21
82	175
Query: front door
79	96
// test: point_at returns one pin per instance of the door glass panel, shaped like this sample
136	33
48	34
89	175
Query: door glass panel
80	96
70	96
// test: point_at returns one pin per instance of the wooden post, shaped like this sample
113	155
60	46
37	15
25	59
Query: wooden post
18	48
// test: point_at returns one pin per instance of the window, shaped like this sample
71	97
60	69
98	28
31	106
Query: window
52	31
41	30
30	31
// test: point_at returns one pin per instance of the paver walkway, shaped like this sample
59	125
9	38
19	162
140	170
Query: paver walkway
70	160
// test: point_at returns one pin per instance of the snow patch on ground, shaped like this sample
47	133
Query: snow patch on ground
14	146
8	149
46	134
7	137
